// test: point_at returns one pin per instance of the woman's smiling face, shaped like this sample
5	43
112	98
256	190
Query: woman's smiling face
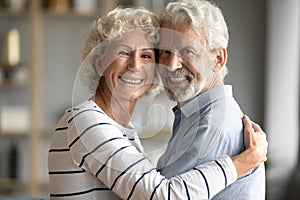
129	65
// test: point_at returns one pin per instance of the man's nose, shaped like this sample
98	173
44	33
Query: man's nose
174	62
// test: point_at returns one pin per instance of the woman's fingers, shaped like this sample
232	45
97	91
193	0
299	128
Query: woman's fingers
255	138
256	127
248	131
247	122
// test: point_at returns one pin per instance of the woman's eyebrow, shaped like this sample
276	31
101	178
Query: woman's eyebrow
147	49
125	45
143	48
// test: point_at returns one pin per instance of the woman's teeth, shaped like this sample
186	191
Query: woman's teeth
133	81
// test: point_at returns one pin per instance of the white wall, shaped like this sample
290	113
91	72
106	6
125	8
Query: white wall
282	91
246	53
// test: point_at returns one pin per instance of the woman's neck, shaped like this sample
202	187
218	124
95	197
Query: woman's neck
119	109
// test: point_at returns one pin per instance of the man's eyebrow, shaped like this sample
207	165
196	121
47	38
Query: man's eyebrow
164	46
194	47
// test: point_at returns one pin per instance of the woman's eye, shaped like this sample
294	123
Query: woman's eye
146	56
123	53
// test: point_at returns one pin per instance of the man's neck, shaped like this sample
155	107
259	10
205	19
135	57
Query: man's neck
209	86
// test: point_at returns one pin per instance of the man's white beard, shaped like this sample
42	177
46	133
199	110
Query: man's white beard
182	95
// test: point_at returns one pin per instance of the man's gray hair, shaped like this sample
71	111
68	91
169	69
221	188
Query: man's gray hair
202	16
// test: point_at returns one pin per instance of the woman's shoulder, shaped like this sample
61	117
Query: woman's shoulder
86	110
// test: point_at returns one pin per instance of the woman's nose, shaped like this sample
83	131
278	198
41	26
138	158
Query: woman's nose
134	61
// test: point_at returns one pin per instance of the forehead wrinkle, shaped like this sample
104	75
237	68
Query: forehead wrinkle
133	46
147	49
139	41
166	41
179	41
125	45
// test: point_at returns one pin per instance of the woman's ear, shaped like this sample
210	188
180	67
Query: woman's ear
96	60
220	59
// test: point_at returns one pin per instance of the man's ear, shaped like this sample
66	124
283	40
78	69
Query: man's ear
220	59
96	60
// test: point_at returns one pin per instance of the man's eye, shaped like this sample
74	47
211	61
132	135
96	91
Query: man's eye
165	51
188	51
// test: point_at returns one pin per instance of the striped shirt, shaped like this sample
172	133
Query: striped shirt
93	157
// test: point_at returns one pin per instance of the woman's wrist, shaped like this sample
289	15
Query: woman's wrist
245	161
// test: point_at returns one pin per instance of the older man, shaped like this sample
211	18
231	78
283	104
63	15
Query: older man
208	121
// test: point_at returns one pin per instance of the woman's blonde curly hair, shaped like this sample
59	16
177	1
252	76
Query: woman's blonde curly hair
110	27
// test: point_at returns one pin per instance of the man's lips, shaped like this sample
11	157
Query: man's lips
177	81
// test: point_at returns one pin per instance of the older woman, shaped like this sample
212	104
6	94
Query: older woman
96	153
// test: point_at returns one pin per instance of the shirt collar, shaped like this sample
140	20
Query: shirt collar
206	98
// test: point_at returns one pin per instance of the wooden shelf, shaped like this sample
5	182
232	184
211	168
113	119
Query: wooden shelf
35	17
8	85
14	134
9	14
71	14
11	187
11	183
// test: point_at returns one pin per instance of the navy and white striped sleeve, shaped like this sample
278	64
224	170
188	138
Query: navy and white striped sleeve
96	145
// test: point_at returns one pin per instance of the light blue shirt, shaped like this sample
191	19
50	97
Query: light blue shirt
207	127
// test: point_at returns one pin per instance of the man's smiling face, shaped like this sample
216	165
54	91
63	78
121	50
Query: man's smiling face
183	61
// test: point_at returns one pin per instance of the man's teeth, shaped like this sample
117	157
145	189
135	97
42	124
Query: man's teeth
177	79
128	80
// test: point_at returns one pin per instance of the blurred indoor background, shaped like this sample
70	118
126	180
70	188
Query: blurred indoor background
41	42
